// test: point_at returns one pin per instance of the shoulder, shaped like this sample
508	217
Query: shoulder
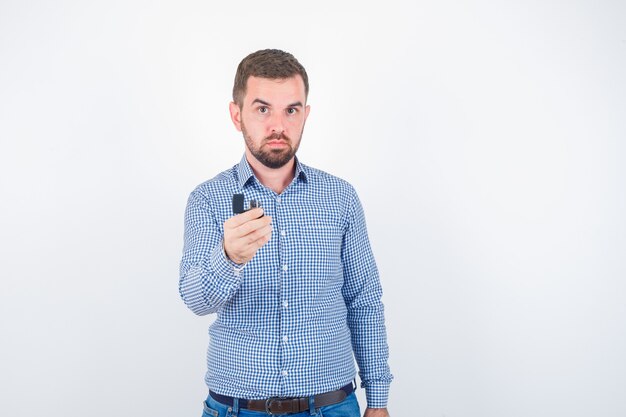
322	179
223	185
335	194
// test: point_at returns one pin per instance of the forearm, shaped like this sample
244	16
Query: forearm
209	283
366	319
369	342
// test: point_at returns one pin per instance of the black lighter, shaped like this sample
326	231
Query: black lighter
238	200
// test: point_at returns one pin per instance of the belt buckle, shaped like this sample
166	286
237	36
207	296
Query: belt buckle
268	404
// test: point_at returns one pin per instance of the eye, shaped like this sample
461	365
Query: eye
263	109
292	111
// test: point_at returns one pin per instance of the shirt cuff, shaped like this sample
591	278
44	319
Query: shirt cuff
224	267
377	394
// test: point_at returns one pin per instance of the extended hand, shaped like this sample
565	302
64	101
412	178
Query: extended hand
376	412
245	234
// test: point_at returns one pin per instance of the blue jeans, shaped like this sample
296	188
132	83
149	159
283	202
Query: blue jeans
347	408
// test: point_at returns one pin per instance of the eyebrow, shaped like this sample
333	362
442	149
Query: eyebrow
265	103
258	100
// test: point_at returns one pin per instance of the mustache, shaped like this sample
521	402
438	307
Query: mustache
278	136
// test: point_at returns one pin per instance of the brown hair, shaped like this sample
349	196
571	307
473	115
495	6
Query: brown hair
267	63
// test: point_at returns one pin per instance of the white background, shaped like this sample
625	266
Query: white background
486	140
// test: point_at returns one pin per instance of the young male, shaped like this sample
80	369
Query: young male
294	282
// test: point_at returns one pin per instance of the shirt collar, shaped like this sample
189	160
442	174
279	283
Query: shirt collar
244	172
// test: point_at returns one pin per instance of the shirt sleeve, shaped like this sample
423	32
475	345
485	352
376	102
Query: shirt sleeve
362	292
208	279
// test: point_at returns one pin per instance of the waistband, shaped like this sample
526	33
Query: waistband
277	405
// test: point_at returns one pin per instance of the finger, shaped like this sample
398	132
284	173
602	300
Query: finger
251	226
259	243
265	231
246	250
244	217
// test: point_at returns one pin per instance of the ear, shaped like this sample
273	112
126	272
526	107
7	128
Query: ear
307	108
235	115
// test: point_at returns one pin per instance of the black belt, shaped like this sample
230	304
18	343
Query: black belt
277	405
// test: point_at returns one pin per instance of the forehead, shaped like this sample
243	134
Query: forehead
275	91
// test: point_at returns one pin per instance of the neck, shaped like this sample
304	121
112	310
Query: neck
276	179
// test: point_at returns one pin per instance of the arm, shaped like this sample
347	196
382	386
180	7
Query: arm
208	279
208	276
362	292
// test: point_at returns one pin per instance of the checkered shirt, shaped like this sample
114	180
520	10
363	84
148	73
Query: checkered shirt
289	322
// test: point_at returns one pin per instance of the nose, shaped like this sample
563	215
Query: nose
277	125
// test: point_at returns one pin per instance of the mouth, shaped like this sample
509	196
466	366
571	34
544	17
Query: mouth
276	143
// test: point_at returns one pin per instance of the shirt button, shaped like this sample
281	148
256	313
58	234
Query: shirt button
285	304
284	373
285	339
278	199
285	267
283	233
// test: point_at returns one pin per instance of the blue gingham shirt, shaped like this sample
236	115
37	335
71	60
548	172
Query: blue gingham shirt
289	322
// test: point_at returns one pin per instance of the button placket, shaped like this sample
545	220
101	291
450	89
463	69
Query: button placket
282	270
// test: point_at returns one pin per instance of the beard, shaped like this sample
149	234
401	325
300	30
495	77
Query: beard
271	158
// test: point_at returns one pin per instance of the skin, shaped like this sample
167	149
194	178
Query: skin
272	109
271	118
376	412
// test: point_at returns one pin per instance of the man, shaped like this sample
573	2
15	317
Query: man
293	282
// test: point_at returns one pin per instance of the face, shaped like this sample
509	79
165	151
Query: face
272	118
